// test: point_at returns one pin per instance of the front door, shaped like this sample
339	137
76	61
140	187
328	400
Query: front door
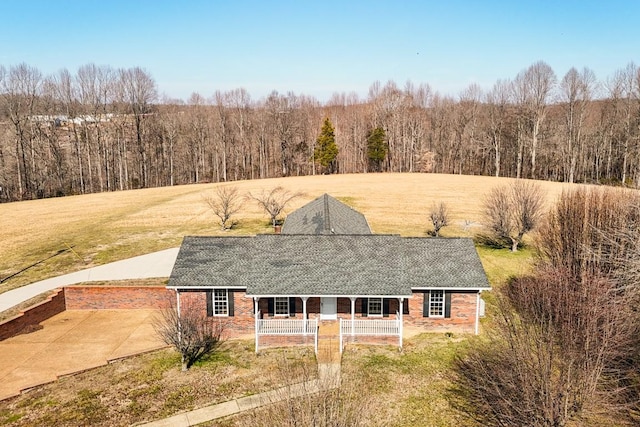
328	308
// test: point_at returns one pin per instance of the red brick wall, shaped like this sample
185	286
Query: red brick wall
463	313
117	297
33	315
241	323
285	340
370	339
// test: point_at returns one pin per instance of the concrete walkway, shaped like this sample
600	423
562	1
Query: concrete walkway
156	264
328	378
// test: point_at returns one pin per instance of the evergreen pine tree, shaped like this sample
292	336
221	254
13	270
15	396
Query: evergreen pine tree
376	148
326	149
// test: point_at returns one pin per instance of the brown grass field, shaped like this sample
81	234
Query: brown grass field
107	227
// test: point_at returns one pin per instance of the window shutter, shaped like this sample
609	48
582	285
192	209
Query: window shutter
209	295
230	295
405	306
447	304
425	304
385	307
292	306
271	306
365	307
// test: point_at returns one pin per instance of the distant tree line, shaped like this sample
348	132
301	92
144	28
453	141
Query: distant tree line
105	129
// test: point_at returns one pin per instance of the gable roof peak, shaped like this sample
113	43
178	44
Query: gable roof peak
326	215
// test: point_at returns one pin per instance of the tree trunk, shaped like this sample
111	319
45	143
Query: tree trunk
514	244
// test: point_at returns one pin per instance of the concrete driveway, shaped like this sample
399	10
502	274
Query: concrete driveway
73	341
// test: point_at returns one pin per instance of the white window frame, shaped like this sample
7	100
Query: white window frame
284	302
436	303
220	302
375	300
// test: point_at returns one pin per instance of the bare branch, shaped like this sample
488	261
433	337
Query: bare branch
513	211
274	201
225	202
439	216
189	331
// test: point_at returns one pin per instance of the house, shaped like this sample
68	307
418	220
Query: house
328	266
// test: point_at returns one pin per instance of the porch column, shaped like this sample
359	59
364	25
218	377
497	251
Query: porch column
400	319
178	310
353	314
304	314
256	315
178	302
477	313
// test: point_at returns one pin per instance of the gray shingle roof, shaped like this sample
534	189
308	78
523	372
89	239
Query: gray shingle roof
442	263
380	265
325	215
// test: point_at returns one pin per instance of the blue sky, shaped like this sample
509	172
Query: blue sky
320	47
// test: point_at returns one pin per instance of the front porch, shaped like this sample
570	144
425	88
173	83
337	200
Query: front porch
359	319
279	332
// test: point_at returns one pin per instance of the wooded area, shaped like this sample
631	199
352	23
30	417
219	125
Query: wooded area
105	129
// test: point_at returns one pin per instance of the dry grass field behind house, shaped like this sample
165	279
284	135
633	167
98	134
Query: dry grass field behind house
105	227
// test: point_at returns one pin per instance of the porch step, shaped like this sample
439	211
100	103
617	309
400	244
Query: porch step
329	328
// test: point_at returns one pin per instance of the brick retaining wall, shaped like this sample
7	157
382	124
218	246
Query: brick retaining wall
33	315
118	297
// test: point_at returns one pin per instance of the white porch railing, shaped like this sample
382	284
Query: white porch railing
287	326
369	327
283	327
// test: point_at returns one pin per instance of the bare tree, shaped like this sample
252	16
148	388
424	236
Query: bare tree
187	329
513	211
556	337
138	92
19	94
498	100
576	91
274	201
585	230
439	216
225	202
536	84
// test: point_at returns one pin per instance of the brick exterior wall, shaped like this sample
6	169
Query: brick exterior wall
118	297
33	315
240	324
462	320
463	313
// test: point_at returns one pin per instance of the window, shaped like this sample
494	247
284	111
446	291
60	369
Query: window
436	303
375	307
281	306
220	302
